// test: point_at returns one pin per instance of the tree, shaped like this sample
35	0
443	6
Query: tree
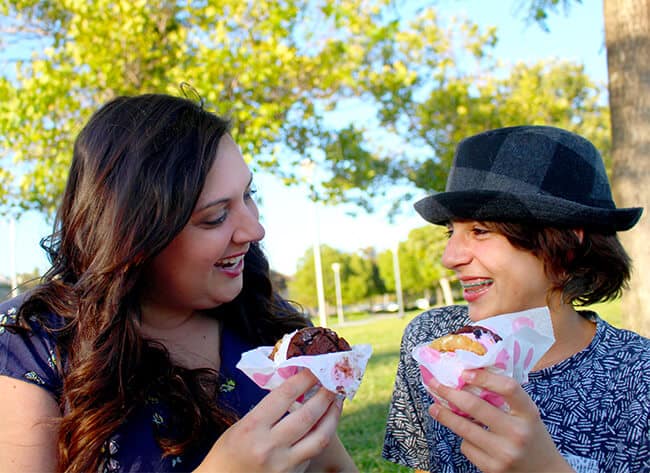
627	39
275	67
359	277
558	93
427	103
264	63
302	286
278	68
420	256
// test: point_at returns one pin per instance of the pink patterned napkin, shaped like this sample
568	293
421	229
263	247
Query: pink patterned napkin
338	372
526	336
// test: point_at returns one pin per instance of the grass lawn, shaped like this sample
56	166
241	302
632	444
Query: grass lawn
364	418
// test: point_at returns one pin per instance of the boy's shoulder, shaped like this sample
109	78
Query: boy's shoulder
435	323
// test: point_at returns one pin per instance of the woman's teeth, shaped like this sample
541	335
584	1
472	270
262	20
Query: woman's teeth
229	262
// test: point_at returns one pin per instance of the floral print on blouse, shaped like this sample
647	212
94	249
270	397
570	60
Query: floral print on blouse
132	448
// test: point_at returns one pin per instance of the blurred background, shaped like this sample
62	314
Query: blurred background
347	111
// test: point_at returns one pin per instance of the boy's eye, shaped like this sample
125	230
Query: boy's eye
480	230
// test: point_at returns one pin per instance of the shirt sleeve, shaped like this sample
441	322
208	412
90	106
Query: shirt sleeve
405	440
28	357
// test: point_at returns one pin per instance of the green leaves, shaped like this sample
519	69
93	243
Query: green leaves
365	274
415	83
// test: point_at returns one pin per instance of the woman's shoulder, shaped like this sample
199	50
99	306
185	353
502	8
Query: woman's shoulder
35	321
28	351
11	306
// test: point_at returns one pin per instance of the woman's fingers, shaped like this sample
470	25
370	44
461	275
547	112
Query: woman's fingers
276	440
276	404
302	420
316	440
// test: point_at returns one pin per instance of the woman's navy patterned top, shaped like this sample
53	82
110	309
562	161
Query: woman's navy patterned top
133	447
595	404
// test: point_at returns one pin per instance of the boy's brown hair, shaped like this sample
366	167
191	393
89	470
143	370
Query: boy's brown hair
588	268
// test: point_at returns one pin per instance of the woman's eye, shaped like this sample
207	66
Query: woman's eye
480	231
218	221
449	232
250	192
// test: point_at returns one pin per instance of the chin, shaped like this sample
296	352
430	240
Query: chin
225	297
476	314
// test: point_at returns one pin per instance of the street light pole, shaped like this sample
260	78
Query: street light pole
307	166
322	314
398	280
336	267
12	255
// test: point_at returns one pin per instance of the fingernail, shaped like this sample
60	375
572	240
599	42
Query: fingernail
434	410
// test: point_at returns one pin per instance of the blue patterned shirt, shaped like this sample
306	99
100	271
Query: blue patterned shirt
595	404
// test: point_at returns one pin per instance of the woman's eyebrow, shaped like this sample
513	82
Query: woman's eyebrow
224	199
213	203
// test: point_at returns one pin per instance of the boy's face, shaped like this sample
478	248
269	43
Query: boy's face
496	277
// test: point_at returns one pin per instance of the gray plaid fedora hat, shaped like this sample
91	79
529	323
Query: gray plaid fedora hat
528	174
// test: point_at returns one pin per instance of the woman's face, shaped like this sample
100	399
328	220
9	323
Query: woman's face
202	267
496	277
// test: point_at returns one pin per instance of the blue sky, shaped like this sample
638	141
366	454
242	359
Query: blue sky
290	218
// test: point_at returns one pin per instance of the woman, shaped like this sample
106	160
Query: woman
531	223
123	359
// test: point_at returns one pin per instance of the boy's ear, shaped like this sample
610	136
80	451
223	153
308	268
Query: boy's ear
580	233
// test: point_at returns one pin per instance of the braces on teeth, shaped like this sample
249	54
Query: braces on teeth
477	284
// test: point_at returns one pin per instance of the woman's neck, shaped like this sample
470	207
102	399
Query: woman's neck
191	338
162	319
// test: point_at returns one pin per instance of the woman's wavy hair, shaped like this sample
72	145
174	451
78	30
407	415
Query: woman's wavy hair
586	269
138	168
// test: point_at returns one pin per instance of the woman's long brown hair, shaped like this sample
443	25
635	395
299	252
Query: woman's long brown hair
138	168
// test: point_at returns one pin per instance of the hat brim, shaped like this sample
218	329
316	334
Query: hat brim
439	208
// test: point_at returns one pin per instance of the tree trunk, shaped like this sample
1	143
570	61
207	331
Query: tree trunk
627	37
446	291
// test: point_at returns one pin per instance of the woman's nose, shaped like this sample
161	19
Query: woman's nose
249	228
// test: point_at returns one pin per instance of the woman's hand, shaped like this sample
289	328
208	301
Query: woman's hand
265	440
496	441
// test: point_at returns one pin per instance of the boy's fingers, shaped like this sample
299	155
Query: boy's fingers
518	401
